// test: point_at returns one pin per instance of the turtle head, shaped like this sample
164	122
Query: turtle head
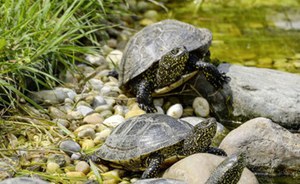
200	137
176	55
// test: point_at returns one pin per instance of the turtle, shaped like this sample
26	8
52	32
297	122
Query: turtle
162	56
229	171
151	141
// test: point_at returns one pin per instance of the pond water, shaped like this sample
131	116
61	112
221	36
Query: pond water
253	33
248	32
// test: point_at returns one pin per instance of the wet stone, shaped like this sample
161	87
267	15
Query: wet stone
82	166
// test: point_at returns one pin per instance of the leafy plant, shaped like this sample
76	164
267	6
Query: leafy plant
39	39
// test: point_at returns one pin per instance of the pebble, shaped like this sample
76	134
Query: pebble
101	136
159	110
114	120
84	110
82	166
151	14
75	115
95	84
94	118
98	101
102	108
119	109
52	167
106	114
114	58
135	111
112	43
69	146
175	111
87	144
158	102
201	107
57	158
87	133
62	122
96	60
56	113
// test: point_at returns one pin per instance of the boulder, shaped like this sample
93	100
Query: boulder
197	168
254	92
269	148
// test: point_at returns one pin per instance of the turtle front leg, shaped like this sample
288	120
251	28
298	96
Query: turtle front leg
212	74
216	151
144	96
154	163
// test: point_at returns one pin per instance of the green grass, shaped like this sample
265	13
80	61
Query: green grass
39	39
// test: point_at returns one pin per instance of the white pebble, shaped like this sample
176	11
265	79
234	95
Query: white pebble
114	120
175	111
201	107
159	110
101	136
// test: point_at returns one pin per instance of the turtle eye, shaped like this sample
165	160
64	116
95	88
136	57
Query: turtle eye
174	51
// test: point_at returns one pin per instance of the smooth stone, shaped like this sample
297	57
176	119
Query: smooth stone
55	96
69	146
98	101
175	111
201	107
114	58
134	111
151	14
254	92
95	84
101	136
87	133
84	110
87	144
104	107
56	113
62	122
52	167
113	174
75	115
106	114
269	147
114	120
24	180
82	166
119	109
188	169
84	127
158	102
94	118
159	110
95	60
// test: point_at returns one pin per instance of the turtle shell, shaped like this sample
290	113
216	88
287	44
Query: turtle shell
142	135
152	42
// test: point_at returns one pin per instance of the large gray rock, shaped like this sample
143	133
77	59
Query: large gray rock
197	168
255	92
269	148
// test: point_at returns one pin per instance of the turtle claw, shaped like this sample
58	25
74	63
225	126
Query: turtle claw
216	78
147	108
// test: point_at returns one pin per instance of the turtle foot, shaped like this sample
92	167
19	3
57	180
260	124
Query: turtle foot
147	108
216	78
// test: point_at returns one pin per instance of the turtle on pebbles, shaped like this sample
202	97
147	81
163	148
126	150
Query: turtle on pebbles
151	141
162	56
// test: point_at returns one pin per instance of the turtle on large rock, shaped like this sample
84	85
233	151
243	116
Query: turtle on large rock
162	56
151	141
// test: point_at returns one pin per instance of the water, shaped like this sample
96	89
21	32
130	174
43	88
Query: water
261	34
249	32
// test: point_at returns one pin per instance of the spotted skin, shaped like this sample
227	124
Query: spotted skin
168	70
229	171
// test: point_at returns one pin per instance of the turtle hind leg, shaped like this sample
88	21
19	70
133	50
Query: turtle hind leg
212	74
144	97
154	165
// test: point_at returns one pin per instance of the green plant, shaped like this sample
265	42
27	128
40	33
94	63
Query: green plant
39	39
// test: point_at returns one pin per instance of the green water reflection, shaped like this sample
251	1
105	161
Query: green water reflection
252	33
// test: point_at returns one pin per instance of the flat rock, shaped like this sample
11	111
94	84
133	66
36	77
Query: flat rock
197	168
269	148
255	92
